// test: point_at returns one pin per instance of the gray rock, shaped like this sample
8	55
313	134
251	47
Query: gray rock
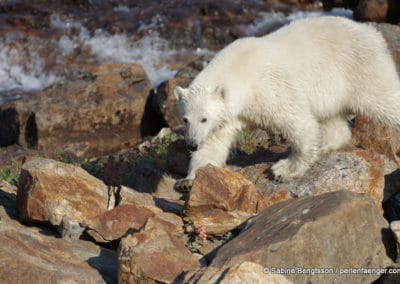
335	230
70	229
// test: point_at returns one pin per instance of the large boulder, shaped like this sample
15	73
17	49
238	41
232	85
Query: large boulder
245	272
153	255
96	114
333	231
372	10
378	11
355	170
38	255
48	190
220	200
377	137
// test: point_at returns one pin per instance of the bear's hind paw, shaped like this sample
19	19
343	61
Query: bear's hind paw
183	185
288	169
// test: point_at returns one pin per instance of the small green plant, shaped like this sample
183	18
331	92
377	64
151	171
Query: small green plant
93	167
10	175
62	156
159	149
248	142
194	245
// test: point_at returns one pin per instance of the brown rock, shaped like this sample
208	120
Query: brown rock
391	33
164	101
153	255
333	230
354	170
126	195
116	223
377	137
245	272
91	116
147	177
36	255
48	190
372	10
220	200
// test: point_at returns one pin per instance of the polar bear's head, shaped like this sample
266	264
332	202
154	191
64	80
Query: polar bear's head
203	111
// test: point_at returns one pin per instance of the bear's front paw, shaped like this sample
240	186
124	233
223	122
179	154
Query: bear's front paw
183	185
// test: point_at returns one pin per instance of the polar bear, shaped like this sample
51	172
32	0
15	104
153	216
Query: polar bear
303	80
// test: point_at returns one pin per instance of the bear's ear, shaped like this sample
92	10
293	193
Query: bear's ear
180	93
221	92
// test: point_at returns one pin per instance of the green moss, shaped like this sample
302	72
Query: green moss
10	175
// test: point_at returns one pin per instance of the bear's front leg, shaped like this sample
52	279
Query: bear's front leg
214	151
303	134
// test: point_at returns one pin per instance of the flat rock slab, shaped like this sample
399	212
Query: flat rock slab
332	230
34	255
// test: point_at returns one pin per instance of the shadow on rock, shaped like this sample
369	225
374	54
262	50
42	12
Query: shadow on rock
106	264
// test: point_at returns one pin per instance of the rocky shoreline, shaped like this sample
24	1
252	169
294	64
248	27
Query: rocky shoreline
88	165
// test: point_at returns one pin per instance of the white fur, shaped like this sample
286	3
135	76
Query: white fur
302	80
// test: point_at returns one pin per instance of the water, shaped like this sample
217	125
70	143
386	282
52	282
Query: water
33	62
267	22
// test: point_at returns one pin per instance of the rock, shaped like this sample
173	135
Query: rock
372	10
36	255
368	10
116	223
391	33
332	230
153	255
70	229
164	101
8	195
126	195
377	137
147	177
245	272
395	227
133	210
48	190
354	170
191	70
14	156
220	200
72	116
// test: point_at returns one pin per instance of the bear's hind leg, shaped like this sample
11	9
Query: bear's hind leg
335	133
303	134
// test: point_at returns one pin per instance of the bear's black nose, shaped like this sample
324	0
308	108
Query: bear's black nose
192	147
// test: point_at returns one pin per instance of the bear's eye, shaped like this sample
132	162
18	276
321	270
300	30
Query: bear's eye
203	120
185	120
